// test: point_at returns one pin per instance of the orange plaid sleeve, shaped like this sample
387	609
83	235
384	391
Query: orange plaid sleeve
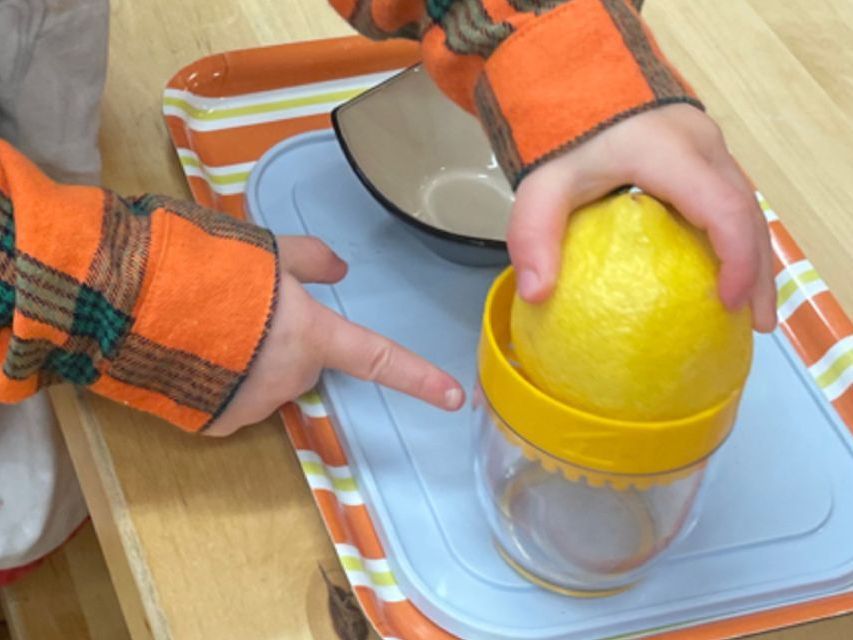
542	75
152	302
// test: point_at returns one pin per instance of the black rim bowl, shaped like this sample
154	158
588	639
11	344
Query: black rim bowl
468	250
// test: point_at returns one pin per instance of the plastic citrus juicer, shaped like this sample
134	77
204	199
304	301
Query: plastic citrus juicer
577	503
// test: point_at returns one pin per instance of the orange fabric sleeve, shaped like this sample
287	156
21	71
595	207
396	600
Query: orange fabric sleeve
542	75
153	302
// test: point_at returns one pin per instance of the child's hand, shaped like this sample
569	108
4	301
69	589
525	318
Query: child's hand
306	337
676	153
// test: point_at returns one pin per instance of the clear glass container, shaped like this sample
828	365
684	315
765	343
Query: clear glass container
572	530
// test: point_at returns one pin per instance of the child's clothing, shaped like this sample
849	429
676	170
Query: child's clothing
53	60
151	302
51	80
41	499
542	75
162	305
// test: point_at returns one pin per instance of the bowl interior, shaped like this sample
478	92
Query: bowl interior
427	157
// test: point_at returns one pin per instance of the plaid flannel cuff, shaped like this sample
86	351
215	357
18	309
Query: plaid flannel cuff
204	307
153	302
568	74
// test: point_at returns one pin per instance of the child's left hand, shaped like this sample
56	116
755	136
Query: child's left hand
305	337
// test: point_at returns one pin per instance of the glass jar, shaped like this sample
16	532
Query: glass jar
581	503
574	530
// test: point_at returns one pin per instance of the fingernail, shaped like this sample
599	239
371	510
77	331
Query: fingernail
768	322
528	283
453	398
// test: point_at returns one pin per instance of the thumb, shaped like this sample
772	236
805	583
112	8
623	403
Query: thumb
535	234
543	203
310	259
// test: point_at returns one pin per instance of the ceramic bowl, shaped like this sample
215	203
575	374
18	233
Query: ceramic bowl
429	163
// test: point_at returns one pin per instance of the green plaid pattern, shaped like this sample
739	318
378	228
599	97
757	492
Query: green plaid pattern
26	358
76	368
96	314
7	226
7	267
7	303
94	326
436	9
96	318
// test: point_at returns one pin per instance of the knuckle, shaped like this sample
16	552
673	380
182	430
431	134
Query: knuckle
321	253
521	243
317	245
301	322
714	132
735	205
520	237
379	362
528	229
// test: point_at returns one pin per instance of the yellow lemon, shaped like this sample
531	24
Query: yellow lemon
635	329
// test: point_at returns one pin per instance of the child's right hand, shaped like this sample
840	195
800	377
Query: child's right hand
676	153
305	337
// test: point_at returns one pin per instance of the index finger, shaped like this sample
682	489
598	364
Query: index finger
367	355
710	202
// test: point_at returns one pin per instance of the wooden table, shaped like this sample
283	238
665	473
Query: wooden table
214	539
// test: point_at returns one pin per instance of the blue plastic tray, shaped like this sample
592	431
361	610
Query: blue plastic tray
777	522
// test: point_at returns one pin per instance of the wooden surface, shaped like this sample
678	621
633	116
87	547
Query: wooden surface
784	97
219	539
69	597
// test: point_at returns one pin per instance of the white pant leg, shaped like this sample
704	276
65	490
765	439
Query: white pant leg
53	57
40	500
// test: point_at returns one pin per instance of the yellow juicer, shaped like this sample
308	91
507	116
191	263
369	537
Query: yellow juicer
580	503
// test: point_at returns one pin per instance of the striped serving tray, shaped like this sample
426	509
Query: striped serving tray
223	112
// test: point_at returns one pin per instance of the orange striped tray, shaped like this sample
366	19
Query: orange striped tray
223	112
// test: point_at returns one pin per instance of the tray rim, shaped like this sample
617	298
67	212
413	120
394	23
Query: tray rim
815	326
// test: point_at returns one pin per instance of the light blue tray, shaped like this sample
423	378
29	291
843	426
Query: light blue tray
777	522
